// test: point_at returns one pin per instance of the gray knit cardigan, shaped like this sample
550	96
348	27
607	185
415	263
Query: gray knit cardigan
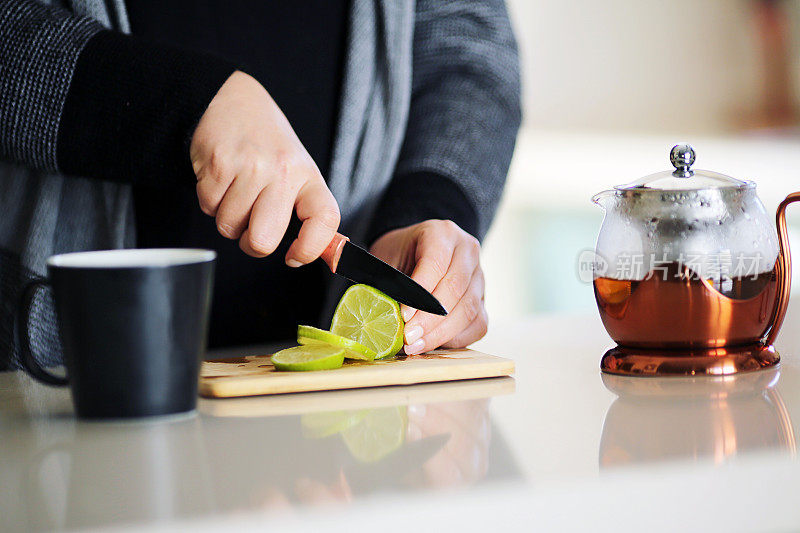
429	85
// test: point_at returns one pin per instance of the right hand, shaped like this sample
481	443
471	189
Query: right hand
252	172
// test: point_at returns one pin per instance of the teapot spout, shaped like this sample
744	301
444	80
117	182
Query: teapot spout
602	198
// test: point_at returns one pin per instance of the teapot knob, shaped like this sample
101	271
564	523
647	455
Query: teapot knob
682	158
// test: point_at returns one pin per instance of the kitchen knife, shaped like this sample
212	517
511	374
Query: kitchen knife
358	265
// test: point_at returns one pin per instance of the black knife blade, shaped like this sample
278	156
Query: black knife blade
358	265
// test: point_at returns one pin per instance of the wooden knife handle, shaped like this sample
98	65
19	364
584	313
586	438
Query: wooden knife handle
333	252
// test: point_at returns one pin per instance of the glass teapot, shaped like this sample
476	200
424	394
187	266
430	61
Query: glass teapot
689	259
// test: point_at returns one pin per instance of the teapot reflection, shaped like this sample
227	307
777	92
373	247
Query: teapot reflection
715	419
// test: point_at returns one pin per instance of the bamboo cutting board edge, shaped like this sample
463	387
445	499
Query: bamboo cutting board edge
350	399
453	365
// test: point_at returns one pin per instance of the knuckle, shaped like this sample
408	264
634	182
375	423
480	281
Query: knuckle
474	253
474	246
307	249
484	325
207	201
329	217
244	245
440	229
207	206
304	253
216	168
472	307
251	161
432	226
457	283
262	244
283	166
257	165
438	264
450	227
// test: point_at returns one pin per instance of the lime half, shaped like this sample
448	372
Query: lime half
321	425
371	318
352	350
303	358
379	433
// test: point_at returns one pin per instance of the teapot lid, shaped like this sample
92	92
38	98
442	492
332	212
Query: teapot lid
684	178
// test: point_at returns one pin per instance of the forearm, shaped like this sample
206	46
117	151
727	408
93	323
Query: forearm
81	100
131	110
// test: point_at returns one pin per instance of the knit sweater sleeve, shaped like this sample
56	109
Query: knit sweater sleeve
78	99
39	48
465	106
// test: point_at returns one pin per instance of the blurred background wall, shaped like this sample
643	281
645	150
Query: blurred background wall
609	88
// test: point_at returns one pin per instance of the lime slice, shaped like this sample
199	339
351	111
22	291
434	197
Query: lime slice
302	358
378	434
352	349
321	425
371	318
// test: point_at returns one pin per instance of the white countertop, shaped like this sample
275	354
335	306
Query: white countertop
552	447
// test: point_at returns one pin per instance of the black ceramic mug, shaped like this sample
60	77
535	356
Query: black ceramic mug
133	327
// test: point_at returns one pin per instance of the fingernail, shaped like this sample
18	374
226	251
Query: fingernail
415	347
408	312
413	334
294	263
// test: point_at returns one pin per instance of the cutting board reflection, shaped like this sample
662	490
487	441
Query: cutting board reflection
255	375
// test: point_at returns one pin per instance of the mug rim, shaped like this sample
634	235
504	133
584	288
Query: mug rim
131	258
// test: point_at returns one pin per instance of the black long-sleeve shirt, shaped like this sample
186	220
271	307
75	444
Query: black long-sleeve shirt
295	49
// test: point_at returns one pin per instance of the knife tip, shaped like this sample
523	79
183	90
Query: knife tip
438	309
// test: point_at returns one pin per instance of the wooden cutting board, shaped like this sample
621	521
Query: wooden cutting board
354	399
255	375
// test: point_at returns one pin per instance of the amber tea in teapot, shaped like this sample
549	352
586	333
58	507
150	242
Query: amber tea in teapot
725	312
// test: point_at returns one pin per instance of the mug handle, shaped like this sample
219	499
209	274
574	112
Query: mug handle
29	363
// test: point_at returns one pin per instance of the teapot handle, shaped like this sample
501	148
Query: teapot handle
784	269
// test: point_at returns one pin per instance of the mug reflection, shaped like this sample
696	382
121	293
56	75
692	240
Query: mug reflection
655	419
99	474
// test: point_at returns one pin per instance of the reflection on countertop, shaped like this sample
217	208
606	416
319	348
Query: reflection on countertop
551	449
716	418
240	455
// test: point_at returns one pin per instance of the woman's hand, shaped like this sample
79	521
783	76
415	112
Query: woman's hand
444	259
464	459
252	172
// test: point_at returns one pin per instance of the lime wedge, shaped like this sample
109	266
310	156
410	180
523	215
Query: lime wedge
352	350
303	358
378	434
321	425
370	318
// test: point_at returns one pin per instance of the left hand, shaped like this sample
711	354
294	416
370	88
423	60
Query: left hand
445	260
